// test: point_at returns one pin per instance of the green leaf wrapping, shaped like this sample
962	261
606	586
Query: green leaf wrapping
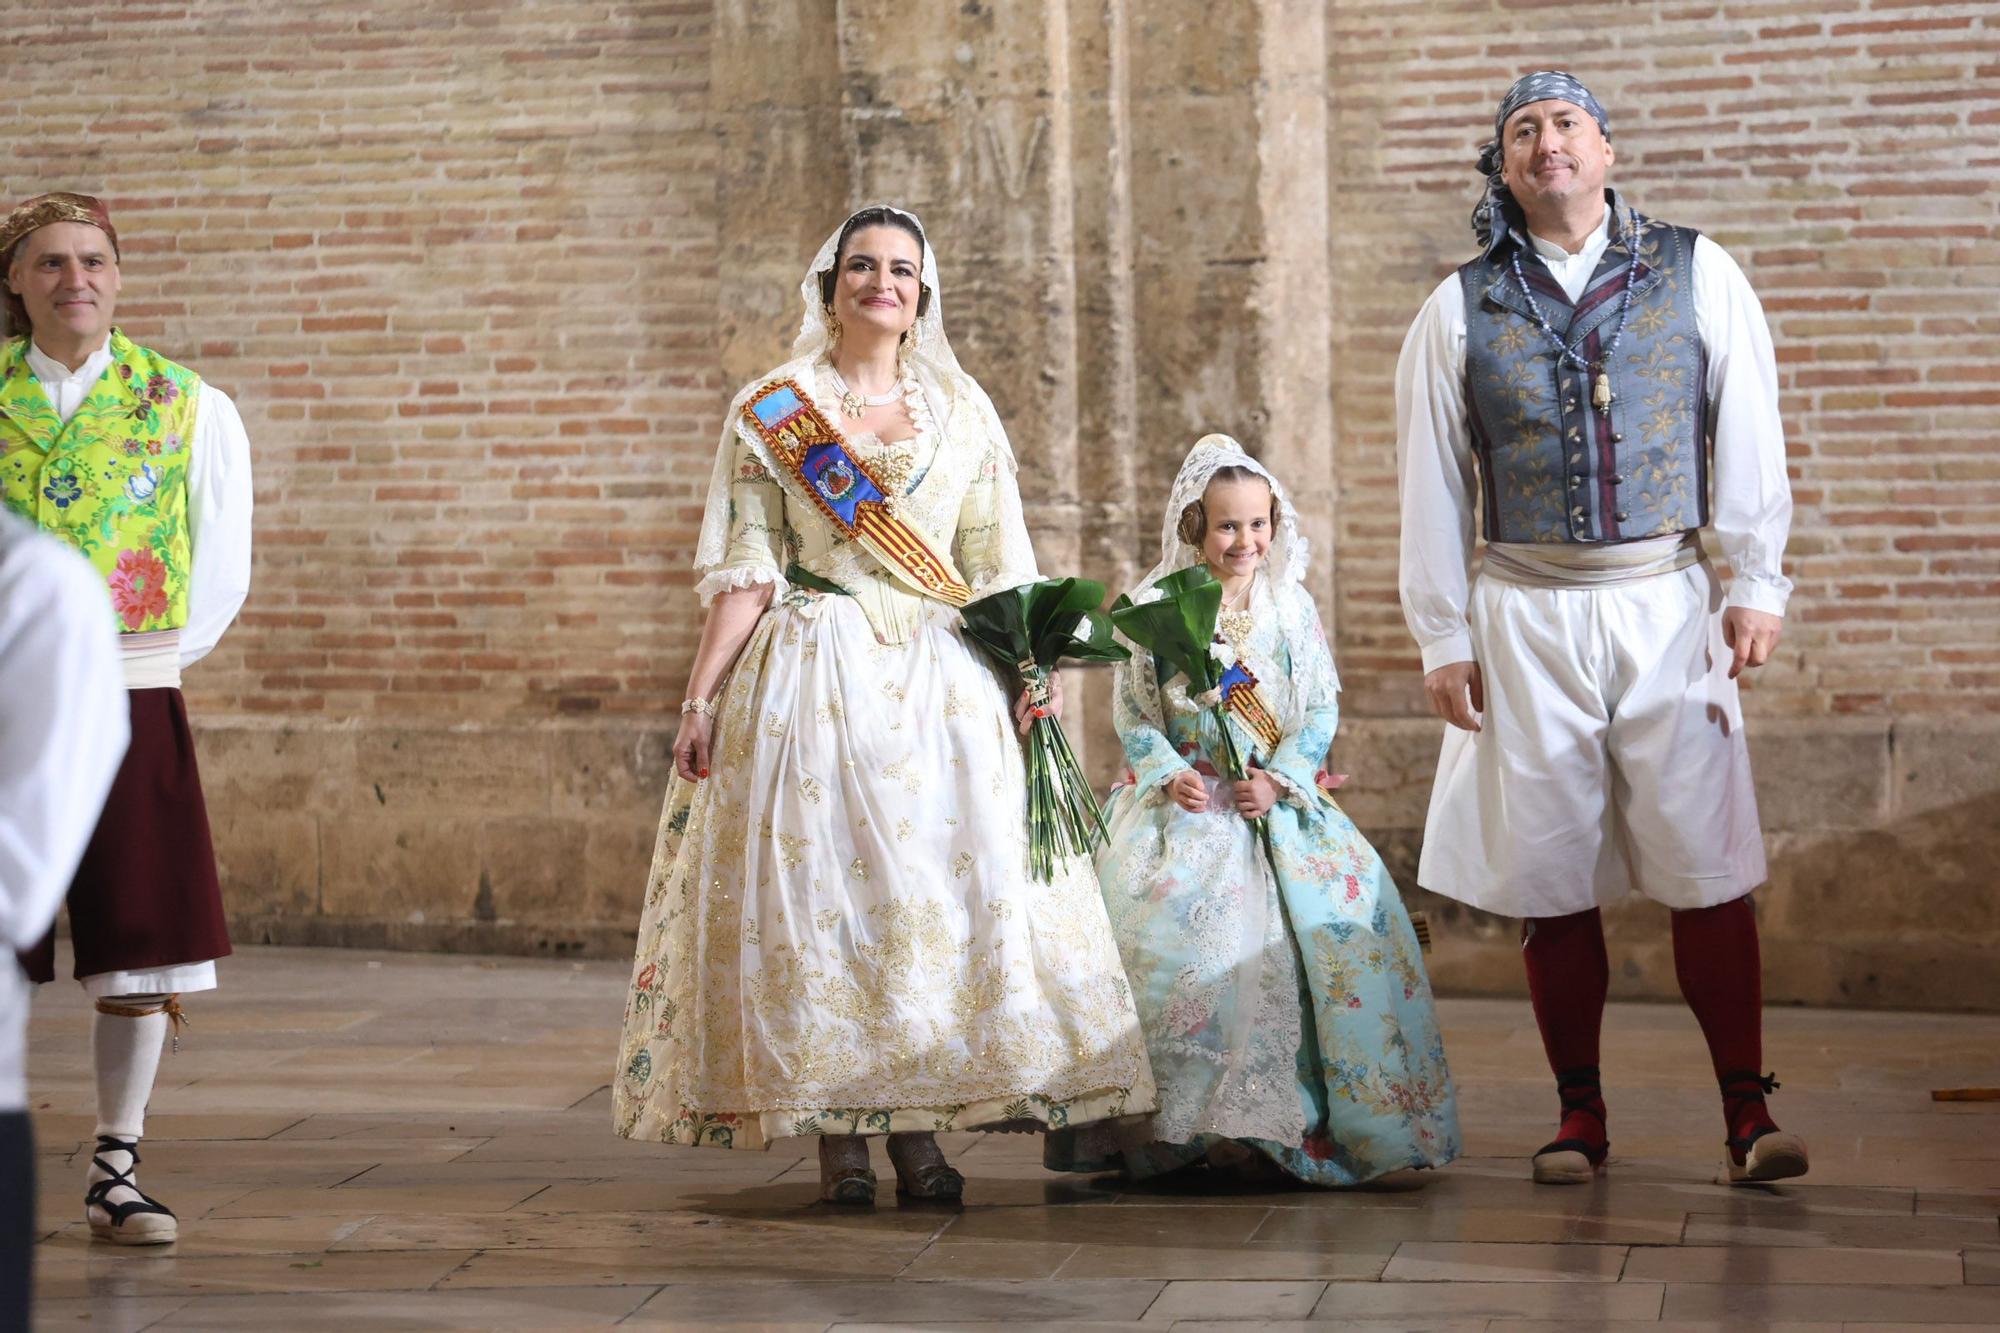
1028	630
1178	626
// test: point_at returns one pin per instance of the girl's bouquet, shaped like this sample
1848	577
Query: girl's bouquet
1177	626
1029	630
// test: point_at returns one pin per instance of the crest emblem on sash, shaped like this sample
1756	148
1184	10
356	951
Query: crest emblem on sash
808	453
836	480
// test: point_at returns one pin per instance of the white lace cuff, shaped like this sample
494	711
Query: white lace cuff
1003	579
730	577
1305	798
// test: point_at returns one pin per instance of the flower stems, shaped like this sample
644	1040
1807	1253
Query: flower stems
1063	816
1237	772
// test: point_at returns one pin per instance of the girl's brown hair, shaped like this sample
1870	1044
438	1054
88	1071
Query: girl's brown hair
1194	519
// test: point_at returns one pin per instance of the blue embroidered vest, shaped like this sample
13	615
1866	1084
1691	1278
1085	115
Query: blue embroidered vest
1552	467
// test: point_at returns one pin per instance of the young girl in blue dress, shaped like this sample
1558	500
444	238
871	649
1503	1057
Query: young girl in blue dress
1279	985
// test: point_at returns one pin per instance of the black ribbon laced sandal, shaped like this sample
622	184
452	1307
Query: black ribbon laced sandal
1767	1152
1574	1161
141	1221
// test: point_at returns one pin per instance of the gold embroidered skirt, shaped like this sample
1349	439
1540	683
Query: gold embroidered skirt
840	934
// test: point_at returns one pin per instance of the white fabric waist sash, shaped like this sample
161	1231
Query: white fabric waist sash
152	661
1574	565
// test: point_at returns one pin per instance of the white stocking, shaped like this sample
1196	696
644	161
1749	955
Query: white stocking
126	1054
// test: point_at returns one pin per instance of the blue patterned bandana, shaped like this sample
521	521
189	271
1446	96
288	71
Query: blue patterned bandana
1544	85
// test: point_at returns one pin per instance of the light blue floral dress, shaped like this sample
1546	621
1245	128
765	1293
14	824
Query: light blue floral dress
1289	1013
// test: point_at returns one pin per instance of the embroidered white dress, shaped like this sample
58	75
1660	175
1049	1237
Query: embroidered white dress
1277	977
840	932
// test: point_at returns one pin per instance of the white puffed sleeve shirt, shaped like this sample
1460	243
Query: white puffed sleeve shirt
1752	501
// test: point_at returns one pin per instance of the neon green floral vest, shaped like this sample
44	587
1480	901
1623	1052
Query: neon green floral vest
112	482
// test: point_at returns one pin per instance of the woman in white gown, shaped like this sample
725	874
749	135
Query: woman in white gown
840	934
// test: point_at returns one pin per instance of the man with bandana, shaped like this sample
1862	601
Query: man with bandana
1600	387
145	470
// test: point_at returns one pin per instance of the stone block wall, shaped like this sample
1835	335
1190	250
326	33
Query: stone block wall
482	277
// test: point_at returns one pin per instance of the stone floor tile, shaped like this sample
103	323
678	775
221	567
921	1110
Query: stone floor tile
964	1260
234	1236
1020	1304
1385	1228
1002	1326
816	1226
1043	1191
1861	1232
1155	1259
1585	1302
1473	1325
1624	1231
105	1314
1894	1326
62	1274
463	1123
1789	1198
1959	1203
391	1312
1234	1300
1733	1303
81	1127
1430	1261
1768	1264
720	1261
1675	1326
755	1326
488	1196
1120	1225
425	1142
701	1193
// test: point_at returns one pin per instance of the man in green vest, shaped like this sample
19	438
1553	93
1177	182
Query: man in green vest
144	470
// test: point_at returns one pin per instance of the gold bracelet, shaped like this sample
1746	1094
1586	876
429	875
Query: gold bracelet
703	706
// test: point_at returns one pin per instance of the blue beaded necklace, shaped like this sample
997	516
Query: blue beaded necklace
1600	392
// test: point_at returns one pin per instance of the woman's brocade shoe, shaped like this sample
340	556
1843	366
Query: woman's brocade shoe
844	1175
1573	1159
136	1220
921	1171
1758	1150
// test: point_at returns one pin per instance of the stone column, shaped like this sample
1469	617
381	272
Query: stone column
785	173
1129	208
998	125
1292	310
1229	196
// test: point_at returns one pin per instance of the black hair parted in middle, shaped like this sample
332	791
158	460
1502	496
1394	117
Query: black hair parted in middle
878	216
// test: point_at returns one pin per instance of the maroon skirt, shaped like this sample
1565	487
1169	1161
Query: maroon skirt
145	895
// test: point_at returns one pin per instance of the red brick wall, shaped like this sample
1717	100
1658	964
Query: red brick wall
456	265
466	269
1847	153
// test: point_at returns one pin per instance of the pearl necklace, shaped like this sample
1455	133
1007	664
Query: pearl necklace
854	404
